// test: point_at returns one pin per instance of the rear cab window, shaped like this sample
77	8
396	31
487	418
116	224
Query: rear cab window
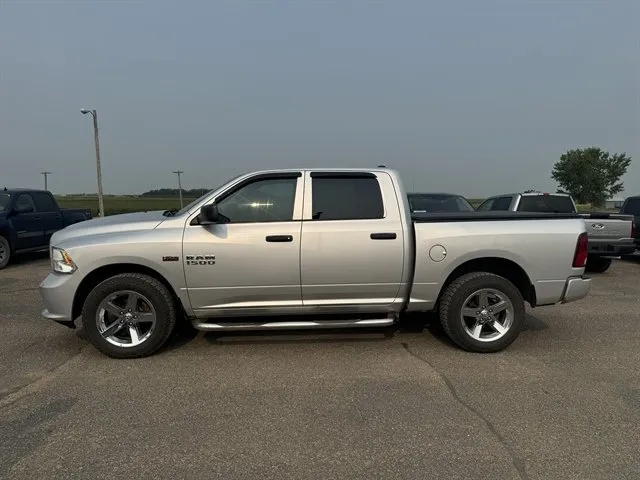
546	204
337	196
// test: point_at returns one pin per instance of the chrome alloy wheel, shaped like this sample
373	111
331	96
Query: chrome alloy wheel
487	315
126	318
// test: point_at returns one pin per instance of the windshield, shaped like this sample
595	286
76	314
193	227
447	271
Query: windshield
546	204
5	198
186	208
632	207
439	203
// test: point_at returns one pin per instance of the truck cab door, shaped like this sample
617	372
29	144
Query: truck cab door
353	242
26	222
249	262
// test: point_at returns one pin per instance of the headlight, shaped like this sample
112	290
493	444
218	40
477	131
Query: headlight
61	261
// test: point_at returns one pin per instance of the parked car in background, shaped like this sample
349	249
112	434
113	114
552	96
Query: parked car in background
438	203
631	206
310	249
610	234
28	218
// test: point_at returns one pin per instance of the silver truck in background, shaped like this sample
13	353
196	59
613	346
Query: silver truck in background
610	234
310	249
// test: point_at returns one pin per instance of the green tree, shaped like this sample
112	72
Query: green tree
591	175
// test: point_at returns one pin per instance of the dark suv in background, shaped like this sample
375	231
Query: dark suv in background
631	206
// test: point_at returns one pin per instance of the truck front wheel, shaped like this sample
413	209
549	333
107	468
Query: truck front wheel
482	312
129	315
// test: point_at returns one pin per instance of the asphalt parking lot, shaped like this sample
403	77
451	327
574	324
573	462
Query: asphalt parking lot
563	402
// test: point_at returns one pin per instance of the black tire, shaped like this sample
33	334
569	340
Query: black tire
5	252
598	264
452	303
160	299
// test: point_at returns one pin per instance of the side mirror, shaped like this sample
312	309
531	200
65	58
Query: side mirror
209	215
23	208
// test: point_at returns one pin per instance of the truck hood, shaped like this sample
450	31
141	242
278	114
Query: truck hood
127	222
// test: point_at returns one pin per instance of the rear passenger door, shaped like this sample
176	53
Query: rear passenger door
50	217
352	247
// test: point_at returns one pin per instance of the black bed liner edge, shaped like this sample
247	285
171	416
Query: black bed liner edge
490	216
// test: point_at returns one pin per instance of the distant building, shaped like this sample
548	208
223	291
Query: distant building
614	203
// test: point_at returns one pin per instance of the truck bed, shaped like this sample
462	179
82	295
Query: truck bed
540	244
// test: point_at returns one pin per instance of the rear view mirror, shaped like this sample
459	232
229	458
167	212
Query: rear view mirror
209	214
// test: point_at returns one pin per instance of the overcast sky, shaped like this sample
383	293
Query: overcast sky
476	97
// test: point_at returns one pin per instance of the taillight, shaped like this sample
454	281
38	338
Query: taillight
582	251
634	229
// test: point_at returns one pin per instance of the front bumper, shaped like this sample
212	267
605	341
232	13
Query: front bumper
575	289
57	292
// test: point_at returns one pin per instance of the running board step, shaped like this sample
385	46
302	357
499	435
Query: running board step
297	325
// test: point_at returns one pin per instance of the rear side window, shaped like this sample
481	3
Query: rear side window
44	202
546	204
632	207
346	198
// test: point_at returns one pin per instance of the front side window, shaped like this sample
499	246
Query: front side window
5	198
24	201
268	200
346	198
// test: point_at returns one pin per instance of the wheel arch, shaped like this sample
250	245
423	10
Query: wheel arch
499	266
91	280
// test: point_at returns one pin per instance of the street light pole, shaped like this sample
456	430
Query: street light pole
94	114
179	172
46	174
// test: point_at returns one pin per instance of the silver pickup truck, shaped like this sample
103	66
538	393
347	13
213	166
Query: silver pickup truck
310	249
610	234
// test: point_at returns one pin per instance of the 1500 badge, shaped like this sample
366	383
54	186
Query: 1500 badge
200	259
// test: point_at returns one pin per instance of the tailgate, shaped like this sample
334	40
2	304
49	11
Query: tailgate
608	226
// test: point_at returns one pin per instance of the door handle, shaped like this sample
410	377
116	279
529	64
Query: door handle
279	238
37	218
383	236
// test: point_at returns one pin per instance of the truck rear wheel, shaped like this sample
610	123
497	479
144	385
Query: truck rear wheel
597	264
129	315
482	312
5	252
